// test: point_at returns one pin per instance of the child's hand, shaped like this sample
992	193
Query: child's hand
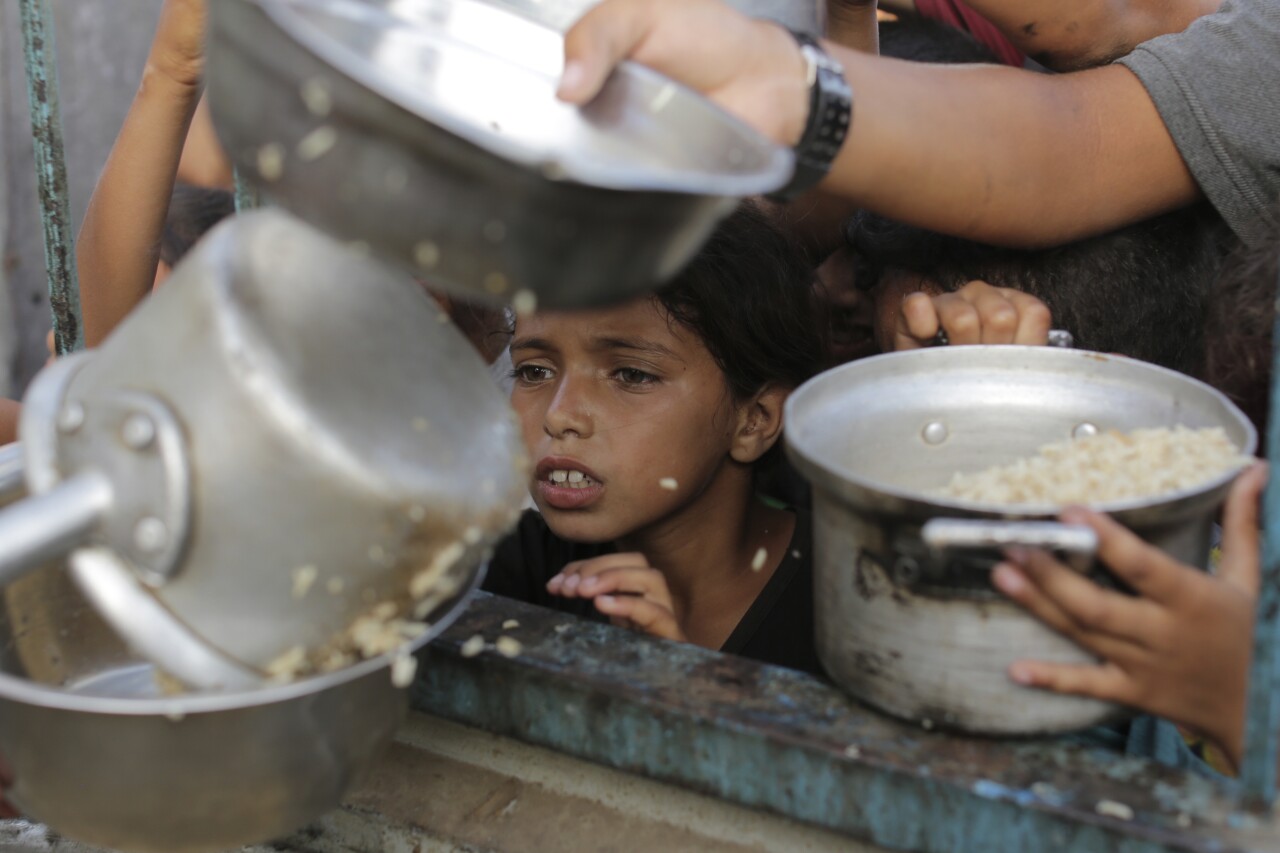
1181	649
626	589
975	314
178	48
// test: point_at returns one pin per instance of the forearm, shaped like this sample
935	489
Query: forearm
118	247
1005	156
1087	33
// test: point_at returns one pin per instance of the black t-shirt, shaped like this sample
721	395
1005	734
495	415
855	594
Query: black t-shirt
777	628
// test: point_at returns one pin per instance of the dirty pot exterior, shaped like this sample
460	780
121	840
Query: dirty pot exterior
933	644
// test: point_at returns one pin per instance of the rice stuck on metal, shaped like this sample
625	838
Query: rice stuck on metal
1111	466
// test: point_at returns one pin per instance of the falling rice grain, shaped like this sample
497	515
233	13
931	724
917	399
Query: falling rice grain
426	254
473	646
668	483
524	303
315	94
757	562
303	579
403	669
271	161
1110	808
317	143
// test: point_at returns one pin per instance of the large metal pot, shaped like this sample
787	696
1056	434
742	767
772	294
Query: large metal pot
101	755
914	628
430	132
283	439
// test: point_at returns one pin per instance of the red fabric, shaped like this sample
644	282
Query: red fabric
956	14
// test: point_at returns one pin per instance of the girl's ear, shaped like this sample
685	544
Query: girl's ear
759	424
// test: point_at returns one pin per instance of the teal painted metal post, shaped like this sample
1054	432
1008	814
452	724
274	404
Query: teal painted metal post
247	198
1259	772
51	173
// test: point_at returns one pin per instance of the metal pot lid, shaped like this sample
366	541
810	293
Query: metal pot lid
489	76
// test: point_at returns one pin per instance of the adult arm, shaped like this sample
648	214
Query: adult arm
118	247
1073	34
997	155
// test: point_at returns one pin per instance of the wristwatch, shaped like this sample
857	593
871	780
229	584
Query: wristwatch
830	114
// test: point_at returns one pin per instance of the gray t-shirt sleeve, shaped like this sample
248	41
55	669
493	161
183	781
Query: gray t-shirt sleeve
1217	88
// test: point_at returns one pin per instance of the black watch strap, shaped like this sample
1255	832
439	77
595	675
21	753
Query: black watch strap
830	114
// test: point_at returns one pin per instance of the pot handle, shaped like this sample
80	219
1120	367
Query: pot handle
41	527
1076	544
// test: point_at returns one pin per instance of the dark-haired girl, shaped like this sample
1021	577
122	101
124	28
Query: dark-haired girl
649	425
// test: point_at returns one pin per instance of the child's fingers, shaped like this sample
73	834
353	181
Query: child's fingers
1151	572
960	318
998	317
647	616
1099	681
1048	606
1034	319
917	322
1240	545
627	581
1085	604
566	582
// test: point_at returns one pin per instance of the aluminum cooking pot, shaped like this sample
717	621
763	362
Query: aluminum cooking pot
808	16
429	131
914	628
285	442
101	756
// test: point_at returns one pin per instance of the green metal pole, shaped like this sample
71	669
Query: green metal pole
51	173
1263	721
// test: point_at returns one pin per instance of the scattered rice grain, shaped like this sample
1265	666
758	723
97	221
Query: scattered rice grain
473	646
508	647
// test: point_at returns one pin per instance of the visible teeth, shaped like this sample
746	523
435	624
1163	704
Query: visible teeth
572	479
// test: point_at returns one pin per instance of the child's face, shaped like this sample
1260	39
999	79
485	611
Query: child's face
618	405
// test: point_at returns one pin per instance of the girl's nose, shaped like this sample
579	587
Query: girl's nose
569	412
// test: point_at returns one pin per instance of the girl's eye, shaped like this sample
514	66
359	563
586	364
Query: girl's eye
531	373
634	376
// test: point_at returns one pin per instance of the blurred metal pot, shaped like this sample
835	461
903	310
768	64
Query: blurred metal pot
102	756
283	443
430	133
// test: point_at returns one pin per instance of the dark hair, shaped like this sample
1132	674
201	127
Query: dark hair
1240	322
1139	291
749	295
926	40
192	212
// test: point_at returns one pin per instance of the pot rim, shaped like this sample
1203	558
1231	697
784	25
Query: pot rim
778	162
822	474
15	688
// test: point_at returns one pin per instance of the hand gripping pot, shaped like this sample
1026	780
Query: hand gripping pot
286	442
430	131
906	616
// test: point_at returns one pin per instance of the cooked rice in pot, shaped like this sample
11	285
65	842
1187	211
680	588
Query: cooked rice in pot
1111	466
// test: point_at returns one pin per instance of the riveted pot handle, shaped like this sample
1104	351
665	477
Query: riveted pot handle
1075	543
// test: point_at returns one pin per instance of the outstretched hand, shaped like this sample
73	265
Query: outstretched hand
625	588
178	48
752	68
1180	649
975	314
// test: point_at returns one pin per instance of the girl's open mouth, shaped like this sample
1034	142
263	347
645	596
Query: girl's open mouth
563	486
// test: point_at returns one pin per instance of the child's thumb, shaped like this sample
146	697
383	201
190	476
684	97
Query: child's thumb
1240	535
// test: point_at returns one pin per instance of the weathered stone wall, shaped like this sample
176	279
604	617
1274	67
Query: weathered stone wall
102	46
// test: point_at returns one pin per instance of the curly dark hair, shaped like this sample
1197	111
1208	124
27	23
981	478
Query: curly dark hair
749	296
1239	325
